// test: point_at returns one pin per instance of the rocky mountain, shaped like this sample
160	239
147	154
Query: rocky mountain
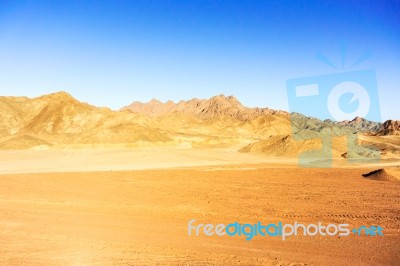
358	123
229	106
216	106
58	121
390	127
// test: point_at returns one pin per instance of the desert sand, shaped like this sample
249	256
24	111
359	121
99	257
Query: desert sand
119	159
63	216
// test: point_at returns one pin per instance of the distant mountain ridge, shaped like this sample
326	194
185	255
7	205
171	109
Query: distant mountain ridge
220	105
358	123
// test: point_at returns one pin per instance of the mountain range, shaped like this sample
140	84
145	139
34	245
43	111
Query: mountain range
59	121
202	108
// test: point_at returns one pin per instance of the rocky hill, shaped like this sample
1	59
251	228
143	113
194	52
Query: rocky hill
59	119
390	127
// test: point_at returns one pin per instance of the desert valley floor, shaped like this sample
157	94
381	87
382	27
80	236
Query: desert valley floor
65	208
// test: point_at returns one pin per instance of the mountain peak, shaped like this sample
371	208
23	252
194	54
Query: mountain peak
60	95
222	97
154	101
358	119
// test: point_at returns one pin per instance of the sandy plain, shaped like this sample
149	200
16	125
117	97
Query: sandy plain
113	207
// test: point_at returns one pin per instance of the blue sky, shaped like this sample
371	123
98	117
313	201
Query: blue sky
110	53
